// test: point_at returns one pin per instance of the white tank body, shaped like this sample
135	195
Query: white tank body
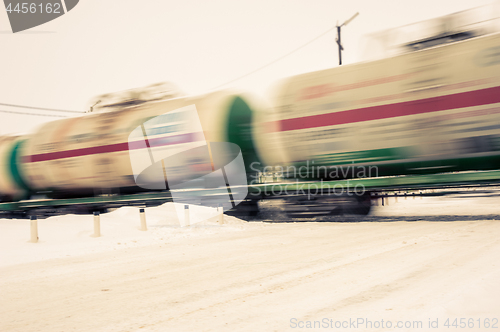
91	153
439	107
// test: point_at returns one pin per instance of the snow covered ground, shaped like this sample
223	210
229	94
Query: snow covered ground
414	262
72	235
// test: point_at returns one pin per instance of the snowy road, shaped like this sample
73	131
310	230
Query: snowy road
267	277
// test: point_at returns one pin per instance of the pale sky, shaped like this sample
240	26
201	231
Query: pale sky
110	45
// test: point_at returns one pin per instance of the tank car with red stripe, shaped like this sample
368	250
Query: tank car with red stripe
91	155
435	107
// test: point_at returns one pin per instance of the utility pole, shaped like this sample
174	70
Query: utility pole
92	107
339	41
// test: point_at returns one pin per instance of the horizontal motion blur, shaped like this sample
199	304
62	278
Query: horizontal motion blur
431	108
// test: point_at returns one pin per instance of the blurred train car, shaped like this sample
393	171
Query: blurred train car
435	107
90	155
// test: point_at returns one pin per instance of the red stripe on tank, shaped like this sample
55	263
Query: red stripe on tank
155	142
420	106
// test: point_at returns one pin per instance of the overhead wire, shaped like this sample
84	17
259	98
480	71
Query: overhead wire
217	87
39	114
40	108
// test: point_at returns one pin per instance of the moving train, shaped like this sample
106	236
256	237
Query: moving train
432	108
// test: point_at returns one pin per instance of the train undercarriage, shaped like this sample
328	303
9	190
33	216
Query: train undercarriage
296	199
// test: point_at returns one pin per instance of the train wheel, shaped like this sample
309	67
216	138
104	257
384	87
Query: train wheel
307	207
324	205
354	205
247	208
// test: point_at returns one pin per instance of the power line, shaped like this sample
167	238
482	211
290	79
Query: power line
41	108
278	59
219	86
39	114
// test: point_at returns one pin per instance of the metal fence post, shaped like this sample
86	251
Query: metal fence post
220	209
144	226
186	215
97	224
34	229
